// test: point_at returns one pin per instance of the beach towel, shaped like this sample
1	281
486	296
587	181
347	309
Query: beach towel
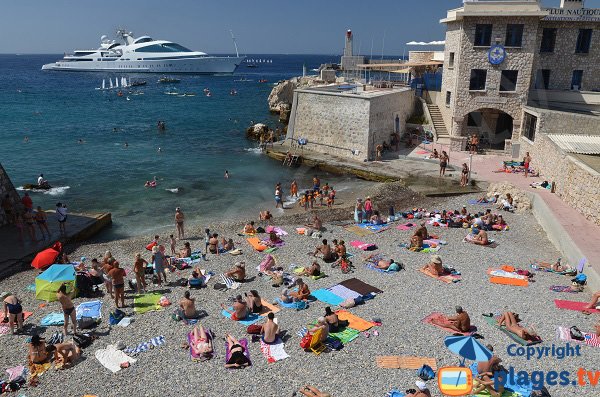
406	226
229	282
344	292
374	267
244	343
405	362
511	388
301	230
359	231
563	288
15	372
5	328
363	246
145	346
361	287
354	321
429	319
345	335
571	305
326	296
278	231
477	202
53	319
509	281
111	358
374	228
447	278
493	321
273	352
268	308
144	303
191	341
249	320
299	270
91	309
591	339
255	243
434	242
292	305
506	274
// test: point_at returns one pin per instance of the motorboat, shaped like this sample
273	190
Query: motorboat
144	54
169	80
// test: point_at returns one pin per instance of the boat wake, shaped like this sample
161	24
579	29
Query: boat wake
174	190
255	150
54	191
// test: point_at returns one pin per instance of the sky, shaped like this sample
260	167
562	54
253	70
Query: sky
260	26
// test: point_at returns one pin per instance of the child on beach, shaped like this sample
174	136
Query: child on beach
173	244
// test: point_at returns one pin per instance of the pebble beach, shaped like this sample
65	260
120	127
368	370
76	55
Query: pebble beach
408	297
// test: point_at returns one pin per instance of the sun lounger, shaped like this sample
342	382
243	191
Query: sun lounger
405	362
255	243
493	321
429	320
354	321
249	320
571	305
447	278
316	346
591	339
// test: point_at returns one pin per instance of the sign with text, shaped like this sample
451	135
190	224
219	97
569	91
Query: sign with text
579	14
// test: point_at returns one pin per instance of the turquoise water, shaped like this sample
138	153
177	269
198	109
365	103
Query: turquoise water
204	137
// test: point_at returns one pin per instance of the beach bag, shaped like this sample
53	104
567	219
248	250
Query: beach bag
254	329
580	279
82	340
87	322
260	230
425	373
359	300
335	344
576	333
305	342
115	317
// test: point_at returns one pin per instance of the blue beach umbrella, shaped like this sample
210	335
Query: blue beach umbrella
468	348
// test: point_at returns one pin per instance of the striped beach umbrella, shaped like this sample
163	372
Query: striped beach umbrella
468	348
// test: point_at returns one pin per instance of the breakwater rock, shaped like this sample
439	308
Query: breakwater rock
282	95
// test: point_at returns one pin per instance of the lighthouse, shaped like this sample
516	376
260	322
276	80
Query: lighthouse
348	46
350	61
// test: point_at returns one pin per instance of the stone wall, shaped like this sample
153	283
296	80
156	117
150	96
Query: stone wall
556	122
576	184
453	36
564	60
340	123
6	187
420	56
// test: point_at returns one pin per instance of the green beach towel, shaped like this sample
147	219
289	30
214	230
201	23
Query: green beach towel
146	302
345	336
494	322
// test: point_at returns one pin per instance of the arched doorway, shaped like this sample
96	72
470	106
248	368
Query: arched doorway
493	126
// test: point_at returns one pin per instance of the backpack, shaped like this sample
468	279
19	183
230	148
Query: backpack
580	279
115	317
82	340
335	344
254	329
425	373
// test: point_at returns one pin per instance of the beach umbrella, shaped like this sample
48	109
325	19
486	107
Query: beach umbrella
44	258
47	283
468	348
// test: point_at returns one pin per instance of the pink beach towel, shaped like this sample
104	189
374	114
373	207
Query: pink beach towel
362	245
428	319
571	305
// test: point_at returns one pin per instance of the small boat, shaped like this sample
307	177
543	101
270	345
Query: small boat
172	92
251	65
243	79
169	80
233	92
138	83
188	94
263	81
31	186
208	94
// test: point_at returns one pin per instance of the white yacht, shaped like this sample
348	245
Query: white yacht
144	55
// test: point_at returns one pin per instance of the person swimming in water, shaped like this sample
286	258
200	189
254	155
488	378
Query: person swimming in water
226	174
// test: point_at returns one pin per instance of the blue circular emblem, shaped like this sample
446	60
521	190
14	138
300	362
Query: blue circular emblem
496	54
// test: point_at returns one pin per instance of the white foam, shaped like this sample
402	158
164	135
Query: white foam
175	190
55	191
255	150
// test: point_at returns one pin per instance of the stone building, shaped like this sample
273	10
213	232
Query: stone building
501	56
6	187
348	121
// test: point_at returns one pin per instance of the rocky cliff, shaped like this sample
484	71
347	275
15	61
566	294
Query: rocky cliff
282	95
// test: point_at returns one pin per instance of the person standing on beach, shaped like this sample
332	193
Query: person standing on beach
173	244
526	162
158	259
278	197
29	222
294	189
444	160
61	215
41	220
368	208
118	280
464	176
139	268
68	308
179	218
27	202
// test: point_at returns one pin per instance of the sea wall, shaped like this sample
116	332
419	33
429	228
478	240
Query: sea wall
6	187
348	124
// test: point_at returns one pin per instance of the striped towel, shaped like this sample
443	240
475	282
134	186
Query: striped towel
302	332
229	282
591	339
145	346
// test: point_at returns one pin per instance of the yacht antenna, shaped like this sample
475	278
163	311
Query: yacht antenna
234	43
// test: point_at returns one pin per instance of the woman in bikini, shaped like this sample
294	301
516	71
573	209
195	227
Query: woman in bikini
179	218
14	311
464	176
237	358
41	218
139	268
335	324
444	160
254	301
38	352
511	320
29	223
201	342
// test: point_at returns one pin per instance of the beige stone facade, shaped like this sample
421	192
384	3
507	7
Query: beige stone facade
348	124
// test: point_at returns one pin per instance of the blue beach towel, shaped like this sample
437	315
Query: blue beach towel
53	319
145	346
327	296
292	305
476	202
249	320
91	309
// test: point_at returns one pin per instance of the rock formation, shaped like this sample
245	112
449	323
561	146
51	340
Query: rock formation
255	131
282	95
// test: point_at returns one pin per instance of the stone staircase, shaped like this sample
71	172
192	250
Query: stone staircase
441	132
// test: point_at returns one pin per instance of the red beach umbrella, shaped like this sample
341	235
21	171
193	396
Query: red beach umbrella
45	258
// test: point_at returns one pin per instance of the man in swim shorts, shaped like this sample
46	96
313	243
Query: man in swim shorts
67	307
240	309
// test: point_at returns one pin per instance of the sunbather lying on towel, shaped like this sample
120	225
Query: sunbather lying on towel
511	320
201	343
556	267
273	240
484	380
478	236
286	297
237	358
187	307
435	266
593	303
303	292
310	391
422	391
238	273
240	309
460	323
388	265
313	270
66	354
335	324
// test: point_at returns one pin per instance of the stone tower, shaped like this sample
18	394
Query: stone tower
348	46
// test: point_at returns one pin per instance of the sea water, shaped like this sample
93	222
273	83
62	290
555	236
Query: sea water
204	136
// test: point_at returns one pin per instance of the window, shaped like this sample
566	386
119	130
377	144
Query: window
576	80
483	35
478	77
584	39
448	98
451	60
529	126
508	80
542	79
514	35
165	47
548	40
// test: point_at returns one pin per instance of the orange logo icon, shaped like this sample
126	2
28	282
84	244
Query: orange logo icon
455	381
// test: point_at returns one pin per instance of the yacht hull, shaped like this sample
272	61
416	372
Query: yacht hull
201	65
